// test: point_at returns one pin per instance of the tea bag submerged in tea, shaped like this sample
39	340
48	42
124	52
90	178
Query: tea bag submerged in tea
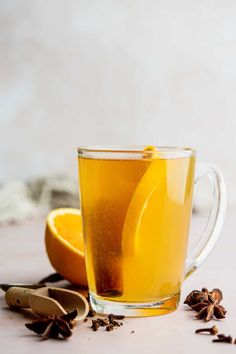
108	186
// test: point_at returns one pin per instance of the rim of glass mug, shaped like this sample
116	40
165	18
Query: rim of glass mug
134	152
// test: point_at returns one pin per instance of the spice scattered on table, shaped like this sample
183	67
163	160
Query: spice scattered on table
206	303
95	325
222	338
91	313
54	326
212	330
110	322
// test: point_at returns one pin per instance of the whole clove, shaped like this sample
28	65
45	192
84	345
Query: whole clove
110	327
103	322
116	317
91	313
95	325
212	330
110	322
222	338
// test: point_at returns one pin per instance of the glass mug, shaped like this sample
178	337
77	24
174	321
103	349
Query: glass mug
136	208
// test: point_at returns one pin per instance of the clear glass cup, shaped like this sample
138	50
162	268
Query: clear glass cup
136	207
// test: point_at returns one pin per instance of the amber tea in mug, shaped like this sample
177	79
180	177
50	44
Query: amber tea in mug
136	209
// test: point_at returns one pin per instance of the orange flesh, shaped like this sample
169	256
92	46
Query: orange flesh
69	227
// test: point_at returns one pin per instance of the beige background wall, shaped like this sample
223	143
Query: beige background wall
125	72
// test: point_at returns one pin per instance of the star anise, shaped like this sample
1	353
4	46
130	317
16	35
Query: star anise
196	296
206	303
54	326
211	310
216	295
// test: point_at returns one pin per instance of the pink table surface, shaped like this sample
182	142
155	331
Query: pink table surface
23	259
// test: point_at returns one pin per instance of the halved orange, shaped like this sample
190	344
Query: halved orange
64	244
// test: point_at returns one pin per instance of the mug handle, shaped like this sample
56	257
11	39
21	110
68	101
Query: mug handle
215	222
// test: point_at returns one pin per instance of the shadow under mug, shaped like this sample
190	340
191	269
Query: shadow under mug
136	208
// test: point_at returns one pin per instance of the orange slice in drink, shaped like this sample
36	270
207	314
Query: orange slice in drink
137	218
